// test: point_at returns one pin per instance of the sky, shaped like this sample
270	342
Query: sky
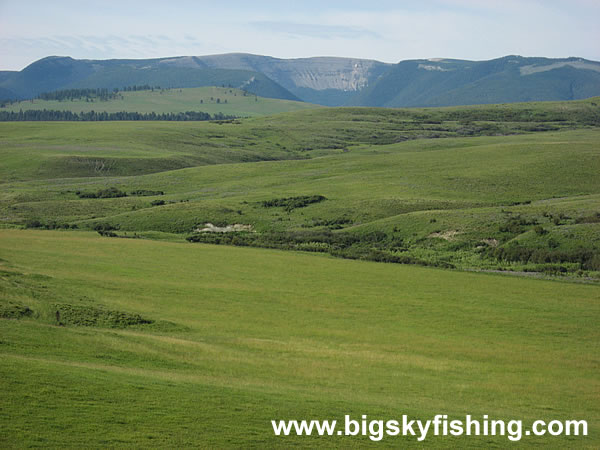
388	31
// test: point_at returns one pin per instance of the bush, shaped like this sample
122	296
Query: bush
67	314
595	218
12	310
290	203
50	225
107	233
111	192
586	258
33	224
105	227
516	225
146	193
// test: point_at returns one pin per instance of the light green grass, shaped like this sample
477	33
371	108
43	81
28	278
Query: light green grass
261	334
231	102
410	190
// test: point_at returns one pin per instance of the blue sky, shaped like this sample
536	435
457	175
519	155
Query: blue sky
389	31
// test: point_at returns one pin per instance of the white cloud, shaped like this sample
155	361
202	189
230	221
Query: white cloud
389	30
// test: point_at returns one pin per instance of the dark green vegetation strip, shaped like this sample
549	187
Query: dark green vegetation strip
251	335
290	203
88	316
31	115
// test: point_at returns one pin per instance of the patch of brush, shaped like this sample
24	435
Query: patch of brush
93	316
13	310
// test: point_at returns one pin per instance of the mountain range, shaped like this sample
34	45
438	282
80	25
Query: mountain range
330	81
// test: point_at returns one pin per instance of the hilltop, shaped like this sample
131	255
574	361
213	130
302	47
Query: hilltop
212	100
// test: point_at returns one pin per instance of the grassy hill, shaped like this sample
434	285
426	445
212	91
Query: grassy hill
206	99
179	345
358	183
121	327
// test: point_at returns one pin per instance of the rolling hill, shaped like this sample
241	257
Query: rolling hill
212	100
500	187
326	80
183	284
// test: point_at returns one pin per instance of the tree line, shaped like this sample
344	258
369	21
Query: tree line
100	93
93	116
72	94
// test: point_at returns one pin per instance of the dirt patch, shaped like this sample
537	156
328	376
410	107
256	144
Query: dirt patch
446	235
210	228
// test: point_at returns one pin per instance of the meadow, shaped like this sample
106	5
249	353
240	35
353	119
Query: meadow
515	191
235	337
376	261
212	100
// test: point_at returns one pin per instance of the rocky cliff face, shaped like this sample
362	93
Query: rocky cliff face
321	73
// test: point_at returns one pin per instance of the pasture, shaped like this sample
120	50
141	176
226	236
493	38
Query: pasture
241	336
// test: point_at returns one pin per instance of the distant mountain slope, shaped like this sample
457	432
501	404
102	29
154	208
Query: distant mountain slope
446	82
55	73
327	80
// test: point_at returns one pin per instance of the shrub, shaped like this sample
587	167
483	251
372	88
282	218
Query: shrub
33	223
111	192
50	225
145	193
290	203
67	314
12	310
105	227
107	233
595	218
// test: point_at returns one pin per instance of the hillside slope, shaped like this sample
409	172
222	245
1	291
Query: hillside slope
212	100
502	187
326	80
54	73
446	82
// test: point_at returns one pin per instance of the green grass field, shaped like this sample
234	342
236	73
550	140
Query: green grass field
212	100
121	326
243	336
431	187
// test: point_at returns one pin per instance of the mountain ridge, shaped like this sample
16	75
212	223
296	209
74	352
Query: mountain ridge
329	81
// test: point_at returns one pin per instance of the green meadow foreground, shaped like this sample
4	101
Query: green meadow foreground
177	344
